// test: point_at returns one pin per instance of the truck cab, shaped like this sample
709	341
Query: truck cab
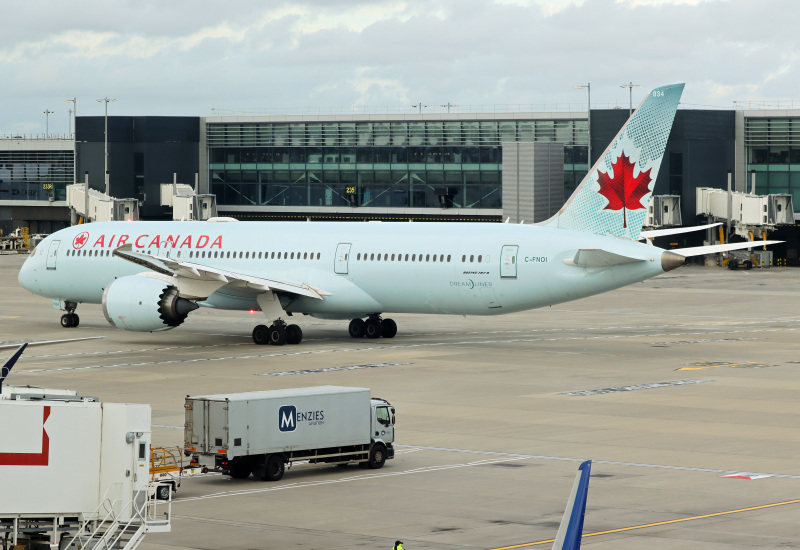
383	420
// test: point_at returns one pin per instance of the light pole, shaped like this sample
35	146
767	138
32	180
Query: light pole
420	105
72	121
448	106
47	113
588	118
630	87
105	140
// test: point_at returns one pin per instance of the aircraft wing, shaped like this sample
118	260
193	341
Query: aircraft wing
199	272
596	257
674	231
718	248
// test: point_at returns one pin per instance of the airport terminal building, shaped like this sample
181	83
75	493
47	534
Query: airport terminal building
422	166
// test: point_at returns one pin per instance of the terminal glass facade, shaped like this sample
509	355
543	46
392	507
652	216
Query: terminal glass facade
35	175
377	163
773	154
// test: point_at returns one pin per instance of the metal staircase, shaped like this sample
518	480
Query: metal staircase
117	525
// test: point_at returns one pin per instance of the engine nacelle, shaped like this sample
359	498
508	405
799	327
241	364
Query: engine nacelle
144	304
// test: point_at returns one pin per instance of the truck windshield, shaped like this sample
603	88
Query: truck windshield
383	416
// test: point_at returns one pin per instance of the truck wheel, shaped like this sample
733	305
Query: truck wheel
733	264
240	470
377	456
162	492
274	468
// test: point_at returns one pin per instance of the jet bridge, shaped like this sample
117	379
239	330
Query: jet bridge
747	215
99	207
186	204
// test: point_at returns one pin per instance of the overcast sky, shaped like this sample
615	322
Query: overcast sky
187	57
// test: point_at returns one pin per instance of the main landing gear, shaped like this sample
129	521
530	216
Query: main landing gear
70	319
277	334
373	327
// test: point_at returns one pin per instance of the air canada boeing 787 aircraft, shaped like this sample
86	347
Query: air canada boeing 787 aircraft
149	276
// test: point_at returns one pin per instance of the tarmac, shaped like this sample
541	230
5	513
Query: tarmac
671	387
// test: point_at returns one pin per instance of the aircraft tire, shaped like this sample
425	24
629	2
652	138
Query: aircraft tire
261	335
388	328
356	328
277	335
294	334
69	320
372	328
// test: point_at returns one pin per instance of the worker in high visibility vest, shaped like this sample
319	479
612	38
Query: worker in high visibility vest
398	545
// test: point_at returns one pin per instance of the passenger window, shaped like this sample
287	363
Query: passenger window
427	257
441	257
379	257
406	257
318	255
471	258
513	260
191	254
413	257
372	256
434	257
448	258
392	257
479	258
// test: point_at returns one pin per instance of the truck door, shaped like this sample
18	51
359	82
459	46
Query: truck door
383	423
52	254
342	258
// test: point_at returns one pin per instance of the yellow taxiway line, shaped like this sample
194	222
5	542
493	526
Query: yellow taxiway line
657	524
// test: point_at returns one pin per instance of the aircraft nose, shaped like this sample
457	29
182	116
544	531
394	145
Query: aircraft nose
25	276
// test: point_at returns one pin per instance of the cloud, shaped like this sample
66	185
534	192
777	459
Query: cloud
183	57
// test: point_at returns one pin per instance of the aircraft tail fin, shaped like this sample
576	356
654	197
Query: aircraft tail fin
571	529
612	199
10	364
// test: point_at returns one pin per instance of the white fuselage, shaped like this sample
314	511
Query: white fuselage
382	267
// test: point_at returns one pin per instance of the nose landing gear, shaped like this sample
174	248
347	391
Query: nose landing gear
70	319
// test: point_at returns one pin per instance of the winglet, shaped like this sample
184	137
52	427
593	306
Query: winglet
571	529
10	363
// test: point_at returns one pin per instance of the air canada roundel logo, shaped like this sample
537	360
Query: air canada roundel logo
80	239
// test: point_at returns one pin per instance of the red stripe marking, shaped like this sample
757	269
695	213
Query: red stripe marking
31	459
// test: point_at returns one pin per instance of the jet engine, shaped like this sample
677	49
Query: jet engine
144	304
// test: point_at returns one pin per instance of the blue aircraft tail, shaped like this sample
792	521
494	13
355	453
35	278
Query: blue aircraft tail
571	529
10	363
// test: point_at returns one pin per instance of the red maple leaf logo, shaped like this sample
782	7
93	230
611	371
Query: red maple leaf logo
623	191
80	240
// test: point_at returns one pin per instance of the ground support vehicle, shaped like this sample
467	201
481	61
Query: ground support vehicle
262	432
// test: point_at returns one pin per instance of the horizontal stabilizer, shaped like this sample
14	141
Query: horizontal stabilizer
718	248
571	530
595	257
674	230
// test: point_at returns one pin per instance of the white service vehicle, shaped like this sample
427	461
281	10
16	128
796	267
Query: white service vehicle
260	432
74	470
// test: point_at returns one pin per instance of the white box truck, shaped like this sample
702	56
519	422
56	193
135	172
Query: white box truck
261	432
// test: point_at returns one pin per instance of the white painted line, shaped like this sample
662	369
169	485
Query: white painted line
43	342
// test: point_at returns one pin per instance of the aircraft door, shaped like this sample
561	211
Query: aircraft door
342	258
52	254
508	261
